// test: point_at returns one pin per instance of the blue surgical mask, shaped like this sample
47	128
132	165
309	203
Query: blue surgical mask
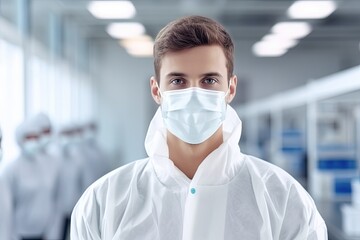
193	114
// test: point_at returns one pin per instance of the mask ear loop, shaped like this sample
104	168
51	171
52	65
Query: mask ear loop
157	85
228	90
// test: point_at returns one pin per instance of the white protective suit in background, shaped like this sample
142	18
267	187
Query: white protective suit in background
31	180
232	196
5	210
96	158
53	163
5	204
71	181
76	152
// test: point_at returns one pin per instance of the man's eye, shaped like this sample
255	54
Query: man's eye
177	81
210	81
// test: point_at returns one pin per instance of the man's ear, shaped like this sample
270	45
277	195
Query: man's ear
232	89
155	91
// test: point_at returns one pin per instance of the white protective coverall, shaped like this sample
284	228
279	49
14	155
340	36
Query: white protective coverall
5	210
5	203
96	158
232	196
31	180
70	181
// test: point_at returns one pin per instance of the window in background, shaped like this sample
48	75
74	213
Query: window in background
76	109
11	95
85	98
63	95
38	86
52	92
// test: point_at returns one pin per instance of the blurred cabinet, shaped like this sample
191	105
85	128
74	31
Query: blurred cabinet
312	132
335	158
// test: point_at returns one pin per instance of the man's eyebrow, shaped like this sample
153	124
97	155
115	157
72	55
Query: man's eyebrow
212	74
175	74
179	74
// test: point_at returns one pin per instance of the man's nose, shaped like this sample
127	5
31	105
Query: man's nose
194	83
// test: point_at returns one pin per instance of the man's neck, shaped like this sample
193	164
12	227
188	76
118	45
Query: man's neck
188	157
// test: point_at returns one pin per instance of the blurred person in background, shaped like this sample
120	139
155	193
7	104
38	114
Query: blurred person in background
97	159
31	181
6	215
53	164
72	182
82	163
77	152
47	139
196	184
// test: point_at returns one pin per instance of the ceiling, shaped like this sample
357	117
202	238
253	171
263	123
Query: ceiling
245	19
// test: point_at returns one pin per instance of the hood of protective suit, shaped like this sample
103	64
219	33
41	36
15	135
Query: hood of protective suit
26	128
43	121
216	169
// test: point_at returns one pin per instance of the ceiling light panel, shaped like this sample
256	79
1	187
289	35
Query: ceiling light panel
125	30
311	9
293	30
129	42
144	49
112	9
280	40
266	49
140	46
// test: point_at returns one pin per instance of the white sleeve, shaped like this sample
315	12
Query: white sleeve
302	219
319	233
85	218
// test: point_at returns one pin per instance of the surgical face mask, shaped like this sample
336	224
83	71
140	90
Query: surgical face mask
64	141
31	147
193	114
45	140
77	139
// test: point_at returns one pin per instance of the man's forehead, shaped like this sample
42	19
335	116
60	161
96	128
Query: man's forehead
199	60
208	50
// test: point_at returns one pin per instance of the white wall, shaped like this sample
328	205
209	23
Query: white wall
266	76
125	106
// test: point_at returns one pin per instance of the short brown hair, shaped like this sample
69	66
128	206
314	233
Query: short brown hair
189	32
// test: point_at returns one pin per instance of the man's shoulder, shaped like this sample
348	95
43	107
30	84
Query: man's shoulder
268	172
113	186
121	175
277	183
284	197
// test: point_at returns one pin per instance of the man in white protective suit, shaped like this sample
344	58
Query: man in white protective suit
31	180
5	203
196	184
